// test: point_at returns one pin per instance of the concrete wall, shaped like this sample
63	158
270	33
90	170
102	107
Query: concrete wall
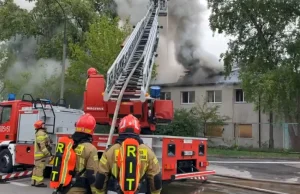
239	113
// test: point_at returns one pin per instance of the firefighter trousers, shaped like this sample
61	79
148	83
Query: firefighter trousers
38	172
79	190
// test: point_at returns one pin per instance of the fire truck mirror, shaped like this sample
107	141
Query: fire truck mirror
171	150
201	150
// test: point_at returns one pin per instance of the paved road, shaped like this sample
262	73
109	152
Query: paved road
22	186
256	168
263	169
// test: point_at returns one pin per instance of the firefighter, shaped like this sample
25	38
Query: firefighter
42	152
90	71
87	156
129	127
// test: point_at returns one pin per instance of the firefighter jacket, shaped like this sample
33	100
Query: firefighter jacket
149	168
87	162
42	147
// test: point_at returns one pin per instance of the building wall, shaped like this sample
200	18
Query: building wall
239	112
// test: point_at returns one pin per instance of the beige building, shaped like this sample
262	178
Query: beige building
242	129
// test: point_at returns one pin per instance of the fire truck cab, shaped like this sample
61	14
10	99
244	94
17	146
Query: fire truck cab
17	133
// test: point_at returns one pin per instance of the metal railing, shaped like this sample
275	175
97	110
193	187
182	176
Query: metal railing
163	8
149	53
123	59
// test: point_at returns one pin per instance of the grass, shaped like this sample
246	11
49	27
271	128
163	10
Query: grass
234	152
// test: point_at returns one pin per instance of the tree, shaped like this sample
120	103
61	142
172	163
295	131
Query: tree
184	124
266	46
208	115
40	31
3	64
101	47
45	22
194	122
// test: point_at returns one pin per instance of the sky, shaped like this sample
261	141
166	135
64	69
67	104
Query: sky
215	45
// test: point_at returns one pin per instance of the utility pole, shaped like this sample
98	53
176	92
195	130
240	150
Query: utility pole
63	66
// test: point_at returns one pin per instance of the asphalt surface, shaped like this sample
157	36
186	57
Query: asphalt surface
250	168
279	170
22	186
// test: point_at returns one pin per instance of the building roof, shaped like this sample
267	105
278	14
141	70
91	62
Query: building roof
213	79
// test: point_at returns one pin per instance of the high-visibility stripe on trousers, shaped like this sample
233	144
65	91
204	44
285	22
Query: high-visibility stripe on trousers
38	172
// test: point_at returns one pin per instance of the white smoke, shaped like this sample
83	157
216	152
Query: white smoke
134	10
25	4
169	70
31	73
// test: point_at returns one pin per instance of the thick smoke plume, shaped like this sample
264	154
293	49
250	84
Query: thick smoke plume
169	70
179	46
185	18
36	76
134	10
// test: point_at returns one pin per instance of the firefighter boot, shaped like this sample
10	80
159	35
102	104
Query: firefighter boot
41	185
37	178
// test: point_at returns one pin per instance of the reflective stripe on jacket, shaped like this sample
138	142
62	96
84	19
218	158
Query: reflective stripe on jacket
41	143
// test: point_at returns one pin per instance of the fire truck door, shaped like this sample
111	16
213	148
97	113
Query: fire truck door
6	123
26	132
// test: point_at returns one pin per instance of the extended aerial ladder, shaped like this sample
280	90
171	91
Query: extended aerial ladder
129	77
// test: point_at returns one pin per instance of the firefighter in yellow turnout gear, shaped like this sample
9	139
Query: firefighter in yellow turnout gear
87	157
42	152
109	171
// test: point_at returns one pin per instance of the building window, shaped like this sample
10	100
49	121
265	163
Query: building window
214	96
188	97
239	95
244	130
214	130
165	95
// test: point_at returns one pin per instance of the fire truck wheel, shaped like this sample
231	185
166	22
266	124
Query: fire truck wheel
6	165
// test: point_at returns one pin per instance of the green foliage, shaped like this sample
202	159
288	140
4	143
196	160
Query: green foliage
46	20
43	26
154	71
207	114
266	46
39	83
101	47
184	124
193	122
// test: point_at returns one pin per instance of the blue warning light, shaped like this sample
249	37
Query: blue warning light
11	97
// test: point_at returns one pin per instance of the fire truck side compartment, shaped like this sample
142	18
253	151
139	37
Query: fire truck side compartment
181	155
64	123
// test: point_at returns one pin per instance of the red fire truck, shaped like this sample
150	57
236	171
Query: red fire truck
180	157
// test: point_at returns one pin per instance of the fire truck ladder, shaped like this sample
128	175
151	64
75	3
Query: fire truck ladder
138	51
44	103
129	77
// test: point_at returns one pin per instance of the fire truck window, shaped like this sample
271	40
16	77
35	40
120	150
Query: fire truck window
5	116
